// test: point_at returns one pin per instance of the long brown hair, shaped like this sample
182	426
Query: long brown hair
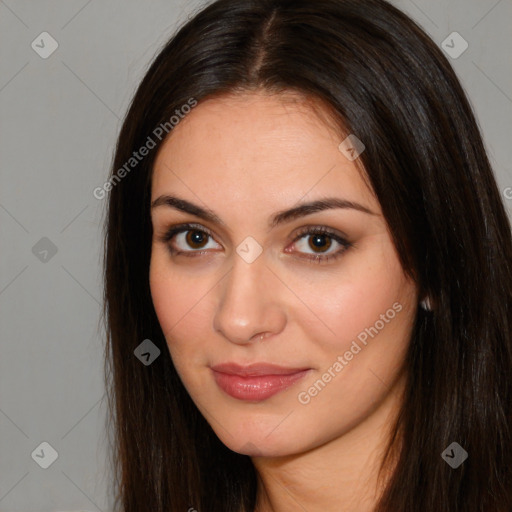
387	82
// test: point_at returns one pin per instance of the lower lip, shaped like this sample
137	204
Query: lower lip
255	388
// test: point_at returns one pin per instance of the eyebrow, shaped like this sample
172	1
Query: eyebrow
280	217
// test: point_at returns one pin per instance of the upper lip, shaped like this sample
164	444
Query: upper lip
255	369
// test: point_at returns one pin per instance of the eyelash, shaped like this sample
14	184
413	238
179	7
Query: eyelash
309	230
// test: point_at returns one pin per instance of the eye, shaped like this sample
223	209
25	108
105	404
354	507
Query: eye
192	240
182	238
320	240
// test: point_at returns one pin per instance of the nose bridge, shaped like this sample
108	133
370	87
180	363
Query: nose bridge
248	304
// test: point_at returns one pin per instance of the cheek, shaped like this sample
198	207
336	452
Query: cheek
178	299
370	312
164	301
352	299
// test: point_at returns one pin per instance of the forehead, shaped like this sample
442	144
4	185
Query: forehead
257	146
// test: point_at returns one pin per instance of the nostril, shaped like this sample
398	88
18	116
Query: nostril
259	336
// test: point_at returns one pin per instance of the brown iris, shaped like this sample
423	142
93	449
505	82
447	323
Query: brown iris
319	240
196	239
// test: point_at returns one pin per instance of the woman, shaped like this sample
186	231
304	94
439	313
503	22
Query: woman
308	272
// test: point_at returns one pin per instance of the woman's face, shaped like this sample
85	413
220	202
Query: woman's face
246	270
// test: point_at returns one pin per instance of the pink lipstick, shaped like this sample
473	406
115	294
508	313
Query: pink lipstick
257	381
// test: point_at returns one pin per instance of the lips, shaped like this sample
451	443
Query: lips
255	382
255	369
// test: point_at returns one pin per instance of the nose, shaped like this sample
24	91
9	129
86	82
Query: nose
249	304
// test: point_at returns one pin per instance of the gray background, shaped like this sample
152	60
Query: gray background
59	121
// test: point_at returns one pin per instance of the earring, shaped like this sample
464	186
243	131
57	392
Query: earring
426	304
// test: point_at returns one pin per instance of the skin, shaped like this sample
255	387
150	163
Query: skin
245	158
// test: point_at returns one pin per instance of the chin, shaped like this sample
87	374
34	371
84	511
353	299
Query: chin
263	443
